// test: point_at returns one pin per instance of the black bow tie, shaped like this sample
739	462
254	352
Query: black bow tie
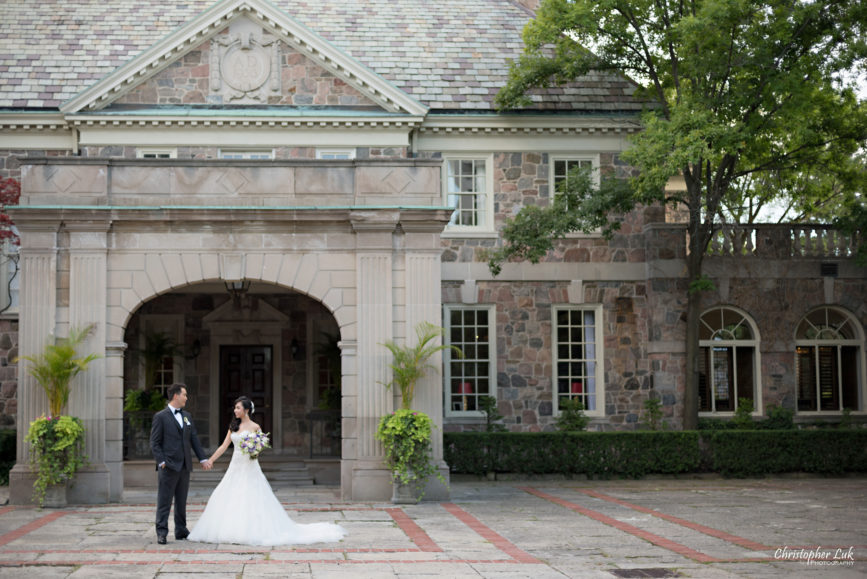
177	410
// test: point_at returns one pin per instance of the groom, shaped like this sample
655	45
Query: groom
172	433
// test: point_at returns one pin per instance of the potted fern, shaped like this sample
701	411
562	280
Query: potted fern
57	441
406	433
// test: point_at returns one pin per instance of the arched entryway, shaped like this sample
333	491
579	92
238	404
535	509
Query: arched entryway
223	340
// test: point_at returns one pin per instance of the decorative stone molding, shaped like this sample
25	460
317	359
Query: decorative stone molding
245	64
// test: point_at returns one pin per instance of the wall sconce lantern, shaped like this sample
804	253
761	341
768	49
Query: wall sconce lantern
238	289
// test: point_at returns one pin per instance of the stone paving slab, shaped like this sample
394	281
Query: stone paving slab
714	528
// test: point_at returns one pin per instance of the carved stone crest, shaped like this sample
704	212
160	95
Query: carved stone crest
245	65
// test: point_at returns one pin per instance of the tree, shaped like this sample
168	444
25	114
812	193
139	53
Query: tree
742	89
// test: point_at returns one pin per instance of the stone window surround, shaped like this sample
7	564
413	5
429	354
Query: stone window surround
492	358
597	309
857	342
753	343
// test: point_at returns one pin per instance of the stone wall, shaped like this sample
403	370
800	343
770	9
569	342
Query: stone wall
191	80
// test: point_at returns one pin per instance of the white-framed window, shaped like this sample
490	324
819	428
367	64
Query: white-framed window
253	154
560	166
578	357
335	154
728	361
470	328
469	189
829	361
158	333
152	153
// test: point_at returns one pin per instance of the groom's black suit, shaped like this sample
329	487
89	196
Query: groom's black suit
171	445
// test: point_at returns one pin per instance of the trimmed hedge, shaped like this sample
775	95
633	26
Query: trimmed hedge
596	454
636	454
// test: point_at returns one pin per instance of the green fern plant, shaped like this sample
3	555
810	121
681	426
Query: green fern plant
410	363
57	365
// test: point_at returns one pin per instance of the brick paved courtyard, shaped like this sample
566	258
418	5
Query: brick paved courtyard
804	527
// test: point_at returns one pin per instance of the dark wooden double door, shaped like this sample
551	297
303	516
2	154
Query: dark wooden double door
246	371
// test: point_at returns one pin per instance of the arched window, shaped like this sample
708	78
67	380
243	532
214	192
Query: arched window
728	360
829	361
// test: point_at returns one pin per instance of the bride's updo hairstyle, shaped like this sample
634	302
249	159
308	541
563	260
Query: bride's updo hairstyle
247	404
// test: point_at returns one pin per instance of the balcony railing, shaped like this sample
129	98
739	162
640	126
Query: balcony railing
782	241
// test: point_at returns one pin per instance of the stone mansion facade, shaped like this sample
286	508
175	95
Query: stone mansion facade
279	186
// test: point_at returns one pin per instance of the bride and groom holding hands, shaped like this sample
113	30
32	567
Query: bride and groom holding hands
243	508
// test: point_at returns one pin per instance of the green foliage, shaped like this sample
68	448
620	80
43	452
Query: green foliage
56	451
406	438
58	364
8	437
572	417
743	418
138	400
779	418
595	454
488	405
635	454
653	414
854	223
752	453
701	284
410	363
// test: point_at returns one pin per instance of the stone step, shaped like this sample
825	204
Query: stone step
291	473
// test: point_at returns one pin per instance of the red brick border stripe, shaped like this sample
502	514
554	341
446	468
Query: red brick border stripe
413	531
489	534
625	527
30	527
683	522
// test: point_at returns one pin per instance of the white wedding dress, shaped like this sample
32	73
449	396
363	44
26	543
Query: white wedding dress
243	509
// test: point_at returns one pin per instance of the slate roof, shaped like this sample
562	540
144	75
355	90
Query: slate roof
449	54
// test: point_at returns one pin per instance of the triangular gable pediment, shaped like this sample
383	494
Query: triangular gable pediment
245	63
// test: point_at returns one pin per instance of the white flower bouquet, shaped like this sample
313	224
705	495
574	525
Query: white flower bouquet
253	443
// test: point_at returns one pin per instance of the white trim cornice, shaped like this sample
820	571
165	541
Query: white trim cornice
209	23
499	125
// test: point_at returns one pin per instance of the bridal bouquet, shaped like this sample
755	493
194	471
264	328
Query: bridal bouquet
253	443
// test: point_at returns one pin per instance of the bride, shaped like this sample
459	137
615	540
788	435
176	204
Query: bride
243	508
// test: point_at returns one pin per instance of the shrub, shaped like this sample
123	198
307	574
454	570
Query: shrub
572	417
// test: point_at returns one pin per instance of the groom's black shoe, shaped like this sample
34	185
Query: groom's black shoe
182	536
161	539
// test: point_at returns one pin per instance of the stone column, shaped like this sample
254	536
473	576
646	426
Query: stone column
369	479
37	319
424	303
87	400
114	352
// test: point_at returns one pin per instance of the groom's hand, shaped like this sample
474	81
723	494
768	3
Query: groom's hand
207	464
